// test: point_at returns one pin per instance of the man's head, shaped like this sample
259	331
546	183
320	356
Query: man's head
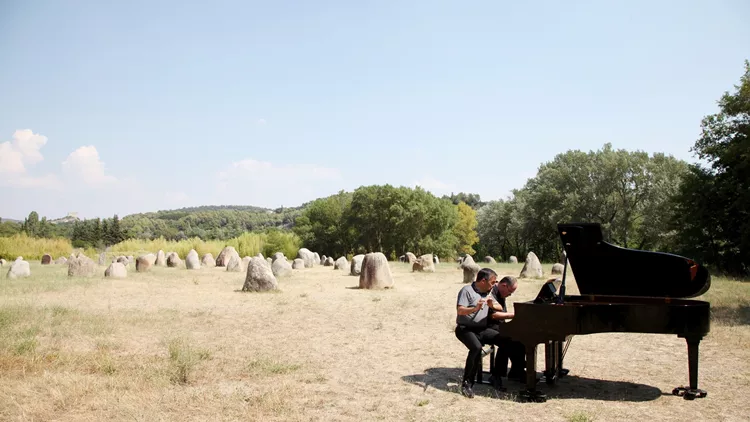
506	286
486	278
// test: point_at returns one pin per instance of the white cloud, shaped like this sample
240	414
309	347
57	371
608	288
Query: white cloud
267	184
23	149
85	165
435	186
16	154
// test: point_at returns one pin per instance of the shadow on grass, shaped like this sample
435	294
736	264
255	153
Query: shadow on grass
731	315
569	387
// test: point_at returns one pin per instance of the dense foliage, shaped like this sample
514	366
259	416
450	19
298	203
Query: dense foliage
629	193
388	219
713	208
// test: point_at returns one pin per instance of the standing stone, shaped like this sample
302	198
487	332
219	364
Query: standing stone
81	266
270	260
3	262
424	264
341	264
470	272
532	268
245	261
142	263
61	260
513	259
117	270
103	258
46	259
557	268
411	258
298	264
281	268
123	260
435	259
161	259
225	255
322	260
489	260
208	260
191	260
278	255
376	274
316	258
355	268
259	277
173	260
307	257
18	269
235	264
328	262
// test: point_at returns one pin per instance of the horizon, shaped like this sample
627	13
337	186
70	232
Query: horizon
112	110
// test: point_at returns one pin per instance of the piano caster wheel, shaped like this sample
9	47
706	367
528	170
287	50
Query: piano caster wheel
563	372
689	393
532	396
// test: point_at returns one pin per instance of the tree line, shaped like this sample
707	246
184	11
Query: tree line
647	202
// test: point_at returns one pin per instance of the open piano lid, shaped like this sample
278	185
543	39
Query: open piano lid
601	268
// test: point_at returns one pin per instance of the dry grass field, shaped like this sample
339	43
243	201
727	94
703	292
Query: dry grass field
179	345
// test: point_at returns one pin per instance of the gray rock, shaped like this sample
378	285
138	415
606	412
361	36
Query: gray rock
341	264
376	273
355	268
191	260
307	257
259	276
81	266
532	268
117	270
18	269
208	260
281	268
161	259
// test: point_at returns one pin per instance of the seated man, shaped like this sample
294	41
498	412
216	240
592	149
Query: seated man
472	324
507	347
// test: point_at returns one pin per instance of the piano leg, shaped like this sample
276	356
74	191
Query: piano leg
693	391
551	359
531	393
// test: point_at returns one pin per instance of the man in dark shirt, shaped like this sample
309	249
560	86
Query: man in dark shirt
472	324
507	348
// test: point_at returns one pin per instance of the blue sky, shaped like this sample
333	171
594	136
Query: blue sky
138	106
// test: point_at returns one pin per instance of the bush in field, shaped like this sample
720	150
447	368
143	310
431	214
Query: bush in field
32	248
279	241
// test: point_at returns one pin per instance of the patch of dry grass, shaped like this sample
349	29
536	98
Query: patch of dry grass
173	344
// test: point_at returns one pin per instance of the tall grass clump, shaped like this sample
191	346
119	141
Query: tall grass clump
137	247
247	244
21	244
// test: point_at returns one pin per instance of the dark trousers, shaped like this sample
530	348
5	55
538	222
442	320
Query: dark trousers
473	338
509	349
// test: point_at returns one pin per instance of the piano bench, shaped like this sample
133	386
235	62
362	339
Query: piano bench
480	373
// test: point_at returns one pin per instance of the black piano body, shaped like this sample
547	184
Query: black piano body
622	290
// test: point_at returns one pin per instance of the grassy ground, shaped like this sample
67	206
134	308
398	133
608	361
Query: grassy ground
187	345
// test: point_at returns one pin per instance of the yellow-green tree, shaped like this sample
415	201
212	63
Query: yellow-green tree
465	229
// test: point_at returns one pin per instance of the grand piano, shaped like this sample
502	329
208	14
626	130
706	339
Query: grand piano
621	290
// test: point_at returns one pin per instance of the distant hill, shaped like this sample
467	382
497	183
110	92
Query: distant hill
208	221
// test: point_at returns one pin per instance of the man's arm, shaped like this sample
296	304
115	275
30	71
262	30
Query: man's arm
465	310
497	310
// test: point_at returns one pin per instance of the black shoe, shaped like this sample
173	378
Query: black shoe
467	391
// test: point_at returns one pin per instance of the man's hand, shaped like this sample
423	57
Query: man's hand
490	302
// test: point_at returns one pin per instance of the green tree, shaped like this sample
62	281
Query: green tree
713	211
322	226
31	224
465	229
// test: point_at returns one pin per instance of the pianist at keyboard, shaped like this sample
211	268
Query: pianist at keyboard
472	325
507	348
